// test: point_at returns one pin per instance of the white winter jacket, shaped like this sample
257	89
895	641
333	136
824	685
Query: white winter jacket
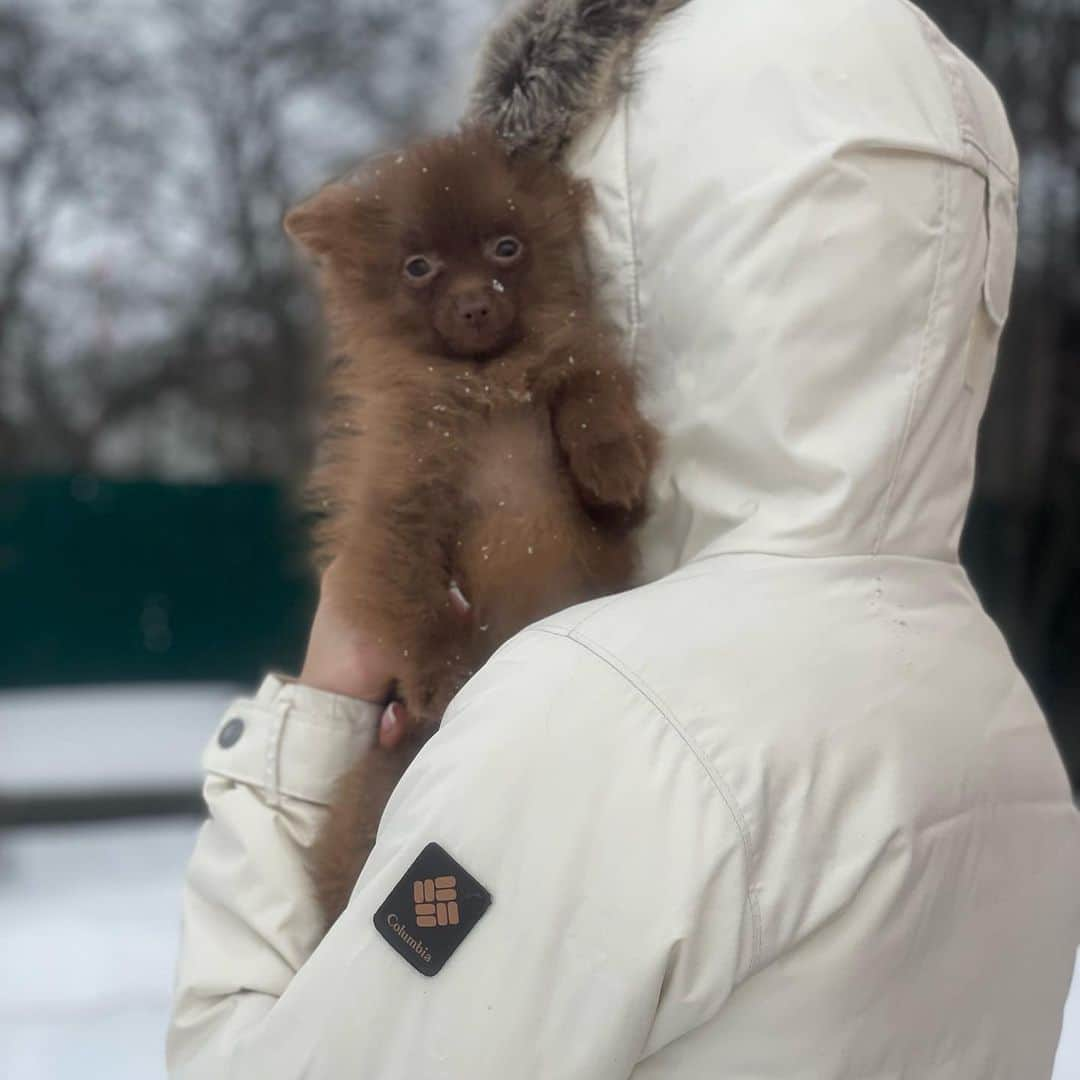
787	810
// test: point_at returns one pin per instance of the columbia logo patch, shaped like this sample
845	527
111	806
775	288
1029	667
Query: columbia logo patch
435	902
431	910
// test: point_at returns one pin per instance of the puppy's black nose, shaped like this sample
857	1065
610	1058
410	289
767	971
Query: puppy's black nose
473	309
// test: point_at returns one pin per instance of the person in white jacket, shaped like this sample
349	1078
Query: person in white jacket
787	809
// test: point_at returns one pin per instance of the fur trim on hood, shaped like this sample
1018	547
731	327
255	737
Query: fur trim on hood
551	66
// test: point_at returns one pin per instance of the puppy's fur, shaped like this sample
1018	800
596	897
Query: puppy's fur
484	428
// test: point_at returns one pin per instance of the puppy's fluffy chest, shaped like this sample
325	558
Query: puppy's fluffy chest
513	462
492	429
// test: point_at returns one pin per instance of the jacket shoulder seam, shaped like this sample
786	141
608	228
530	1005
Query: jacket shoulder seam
721	787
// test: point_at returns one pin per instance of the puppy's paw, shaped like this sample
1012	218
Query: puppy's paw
612	473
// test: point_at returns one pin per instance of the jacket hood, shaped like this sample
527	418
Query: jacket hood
806	230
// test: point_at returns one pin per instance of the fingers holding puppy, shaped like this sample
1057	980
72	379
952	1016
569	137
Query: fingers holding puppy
342	659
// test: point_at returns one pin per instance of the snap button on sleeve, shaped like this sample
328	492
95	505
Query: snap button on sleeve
230	734
288	744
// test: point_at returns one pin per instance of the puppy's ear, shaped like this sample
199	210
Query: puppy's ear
327	222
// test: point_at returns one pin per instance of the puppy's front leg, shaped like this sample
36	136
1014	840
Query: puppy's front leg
610	447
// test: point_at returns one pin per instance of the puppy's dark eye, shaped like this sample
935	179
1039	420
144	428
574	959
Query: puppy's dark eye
507	249
418	268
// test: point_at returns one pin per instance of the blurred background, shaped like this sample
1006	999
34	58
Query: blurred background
157	398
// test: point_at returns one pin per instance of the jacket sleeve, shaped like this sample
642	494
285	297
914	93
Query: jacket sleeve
619	914
250	919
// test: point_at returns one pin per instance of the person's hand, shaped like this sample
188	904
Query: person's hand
342	659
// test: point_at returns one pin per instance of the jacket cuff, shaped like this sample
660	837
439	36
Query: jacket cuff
291	740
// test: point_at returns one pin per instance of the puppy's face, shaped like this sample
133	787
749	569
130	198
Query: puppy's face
452	246
466	289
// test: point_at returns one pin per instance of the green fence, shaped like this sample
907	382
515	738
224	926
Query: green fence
126	582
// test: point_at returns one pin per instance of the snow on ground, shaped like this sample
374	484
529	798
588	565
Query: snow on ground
89	927
112	739
90	914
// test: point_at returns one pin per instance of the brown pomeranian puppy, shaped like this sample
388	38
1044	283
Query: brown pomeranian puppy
483	430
